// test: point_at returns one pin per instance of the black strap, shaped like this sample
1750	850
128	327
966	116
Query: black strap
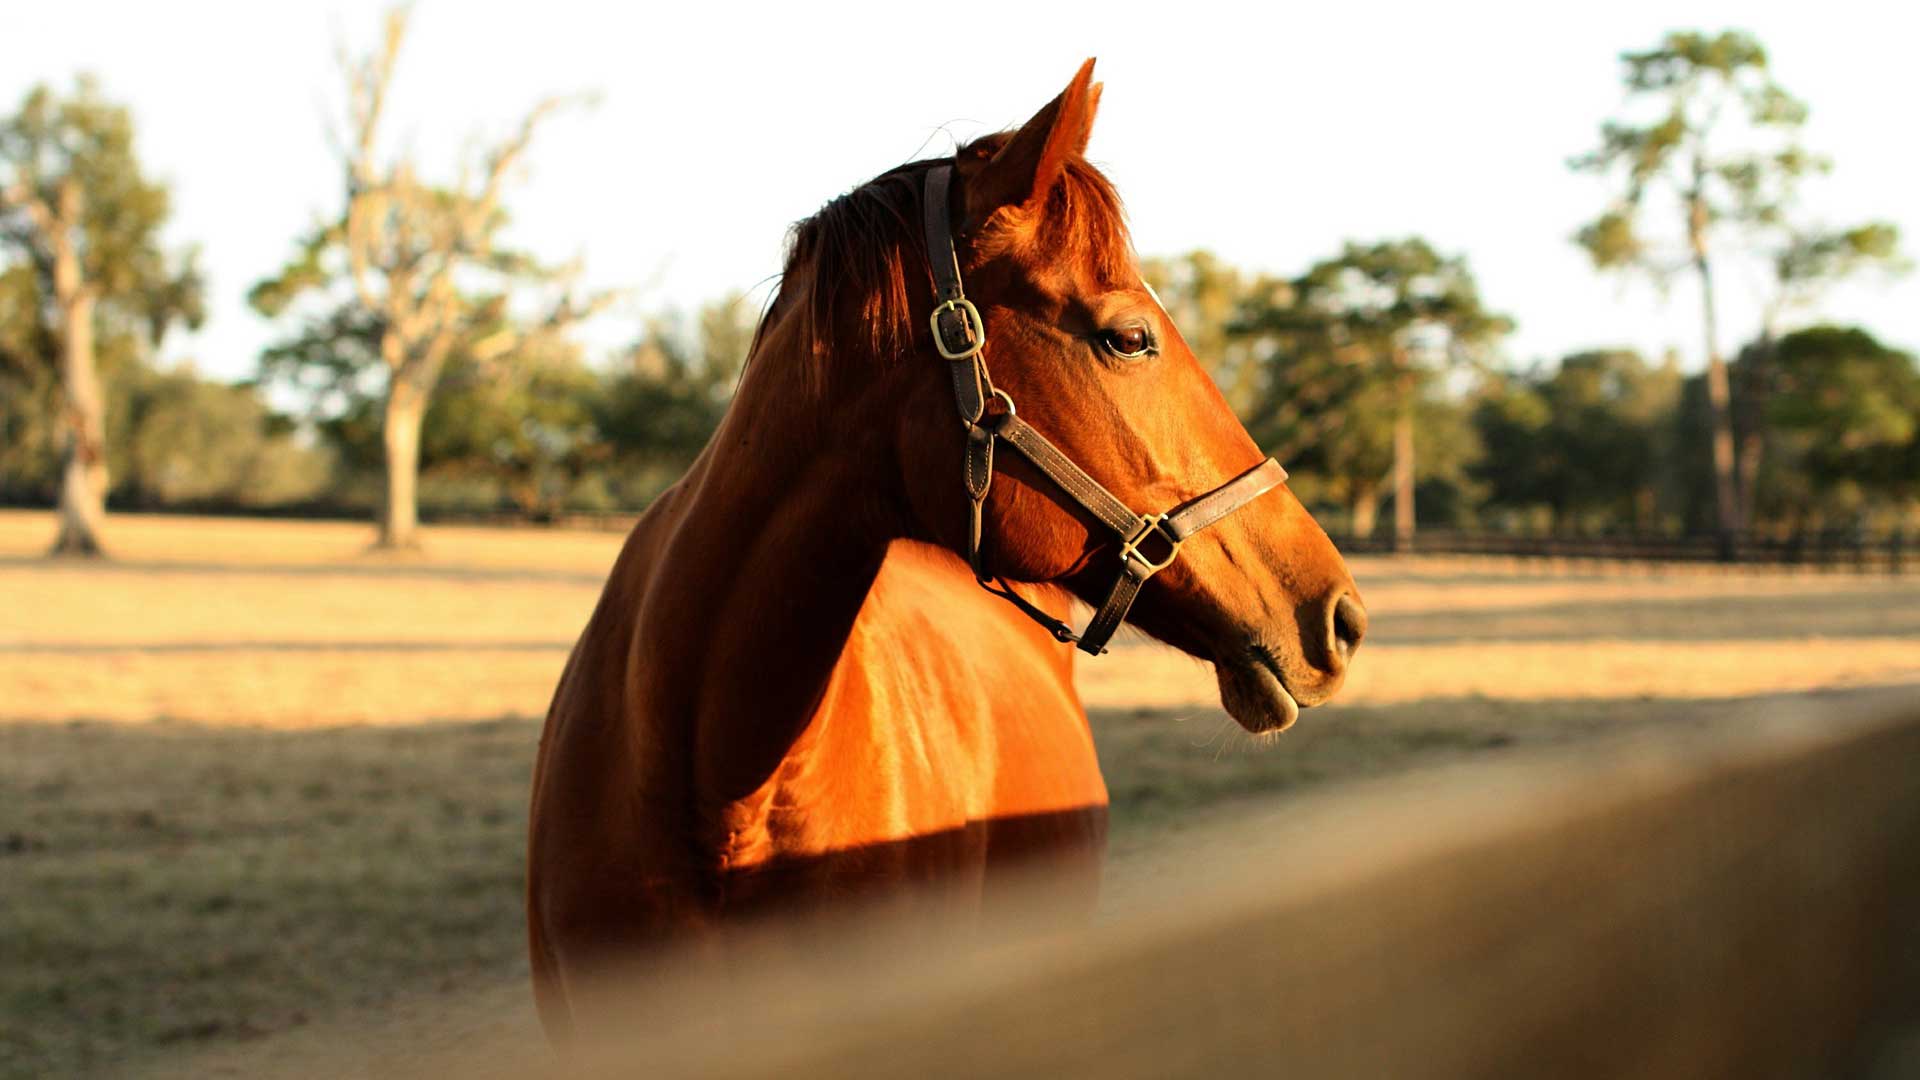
1194	515
960	335
1069	477
956	325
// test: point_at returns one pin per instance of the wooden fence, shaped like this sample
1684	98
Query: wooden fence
1893	552
1740	901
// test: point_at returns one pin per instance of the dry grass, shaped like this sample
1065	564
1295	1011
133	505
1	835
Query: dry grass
177	878
285	624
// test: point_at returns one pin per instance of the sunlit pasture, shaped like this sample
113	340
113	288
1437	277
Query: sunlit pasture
255	782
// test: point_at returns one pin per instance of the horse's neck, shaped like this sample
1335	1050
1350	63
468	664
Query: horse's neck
761	561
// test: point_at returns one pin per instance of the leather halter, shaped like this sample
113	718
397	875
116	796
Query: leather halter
960	335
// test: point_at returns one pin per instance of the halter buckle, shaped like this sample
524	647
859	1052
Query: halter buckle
1130	546
970	318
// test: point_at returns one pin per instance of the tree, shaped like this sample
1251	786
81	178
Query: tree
87	278
1805	261
1206	298
1353	346
1712	136
1845	410
657	413
412	273
530	437
1586	440
181	439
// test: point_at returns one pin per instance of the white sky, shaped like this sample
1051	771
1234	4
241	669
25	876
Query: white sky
1268	133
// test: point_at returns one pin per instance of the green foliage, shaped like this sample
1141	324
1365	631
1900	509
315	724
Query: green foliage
192	440
529	439
29	445
1345	348
514	431
84	139
173	439
332	361
70	180
540	434
1587	443
29	393
1612	242
1806	259
1707	129
658	412
1204	296
1844	413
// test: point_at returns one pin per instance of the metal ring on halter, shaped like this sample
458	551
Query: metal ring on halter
996	392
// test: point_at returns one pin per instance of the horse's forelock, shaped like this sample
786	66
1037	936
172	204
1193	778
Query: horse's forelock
855	268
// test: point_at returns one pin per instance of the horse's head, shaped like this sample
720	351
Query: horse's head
1080	346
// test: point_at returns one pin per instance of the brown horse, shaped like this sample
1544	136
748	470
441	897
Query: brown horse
794	690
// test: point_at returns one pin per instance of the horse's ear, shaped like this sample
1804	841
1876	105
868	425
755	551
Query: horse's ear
1031	161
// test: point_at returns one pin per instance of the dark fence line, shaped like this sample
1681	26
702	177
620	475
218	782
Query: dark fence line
1891	552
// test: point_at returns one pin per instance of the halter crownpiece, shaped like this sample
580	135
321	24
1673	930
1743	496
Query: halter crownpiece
1148	542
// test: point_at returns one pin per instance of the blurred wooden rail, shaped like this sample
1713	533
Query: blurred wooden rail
1892	552
1743	903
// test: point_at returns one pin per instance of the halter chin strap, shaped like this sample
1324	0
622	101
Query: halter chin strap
1148	542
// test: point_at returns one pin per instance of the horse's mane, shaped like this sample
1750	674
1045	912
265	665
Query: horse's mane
855	269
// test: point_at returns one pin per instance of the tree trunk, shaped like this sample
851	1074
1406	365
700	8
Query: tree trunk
400	431
1363	509
1719	395
1403	471
83	474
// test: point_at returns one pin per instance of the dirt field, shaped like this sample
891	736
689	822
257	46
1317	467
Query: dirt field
253	782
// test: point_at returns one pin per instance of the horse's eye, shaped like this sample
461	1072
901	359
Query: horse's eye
1127	342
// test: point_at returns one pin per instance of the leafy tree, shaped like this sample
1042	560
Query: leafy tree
1805	261
1353	347
29	391
193	440
657	413
1845	412
1708	142
410	275
530	436
494	433
85	285
1205	298
1587	441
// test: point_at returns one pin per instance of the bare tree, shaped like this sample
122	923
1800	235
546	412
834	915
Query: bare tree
424	265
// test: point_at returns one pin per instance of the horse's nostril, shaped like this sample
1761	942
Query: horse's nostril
1349	625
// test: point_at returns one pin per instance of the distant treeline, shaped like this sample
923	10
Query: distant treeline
1825	419
422	364
544	433
1603	440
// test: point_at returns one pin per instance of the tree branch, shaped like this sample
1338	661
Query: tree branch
39	215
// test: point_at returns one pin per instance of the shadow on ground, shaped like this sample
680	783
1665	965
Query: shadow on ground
169	891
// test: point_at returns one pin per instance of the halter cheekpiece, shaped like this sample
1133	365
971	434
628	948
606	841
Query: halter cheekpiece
1148	542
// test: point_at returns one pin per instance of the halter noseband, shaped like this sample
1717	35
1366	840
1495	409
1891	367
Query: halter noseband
957	320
